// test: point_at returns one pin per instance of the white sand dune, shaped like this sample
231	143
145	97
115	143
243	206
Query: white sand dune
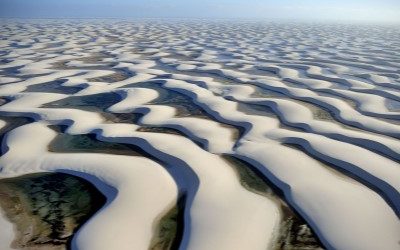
144	189
7	232
314	111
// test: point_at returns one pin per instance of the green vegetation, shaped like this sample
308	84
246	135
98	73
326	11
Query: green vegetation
90	102
87	143
294	233
249	178
166	230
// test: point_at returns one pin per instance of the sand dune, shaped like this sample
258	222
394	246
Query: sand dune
308	113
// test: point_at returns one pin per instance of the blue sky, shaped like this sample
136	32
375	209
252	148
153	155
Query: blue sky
326	10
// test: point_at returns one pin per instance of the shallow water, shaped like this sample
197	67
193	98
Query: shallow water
48	208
